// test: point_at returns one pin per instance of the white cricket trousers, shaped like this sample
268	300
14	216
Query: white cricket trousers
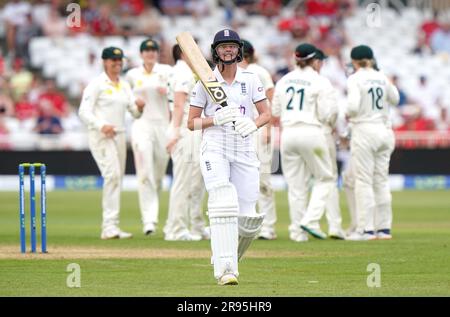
266	201
333	210
150	156
304	152
110	156
188	189
371	147
239	168
348	180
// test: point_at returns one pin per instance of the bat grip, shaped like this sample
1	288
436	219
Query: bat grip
224	104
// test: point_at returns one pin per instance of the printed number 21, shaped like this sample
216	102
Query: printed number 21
291	90
377	94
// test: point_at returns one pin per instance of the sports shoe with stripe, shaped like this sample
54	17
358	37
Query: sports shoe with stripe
228	279
384	234
316	233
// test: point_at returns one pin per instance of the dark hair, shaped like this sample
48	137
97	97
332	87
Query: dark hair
305	63
365	62
176	52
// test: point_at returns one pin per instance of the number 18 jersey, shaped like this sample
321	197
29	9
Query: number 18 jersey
370	93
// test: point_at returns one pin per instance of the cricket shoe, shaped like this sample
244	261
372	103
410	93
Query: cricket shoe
350	231
366	236
316	233
228	279
267	235
201	234
384	234
337	235
298	236
185	236
115	234
149	229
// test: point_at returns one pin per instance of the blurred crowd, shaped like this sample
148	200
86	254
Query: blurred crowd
30	102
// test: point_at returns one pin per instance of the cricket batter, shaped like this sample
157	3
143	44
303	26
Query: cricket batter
266	201
149	133
228	158
303	101
333	211
188	189
369	95
102	109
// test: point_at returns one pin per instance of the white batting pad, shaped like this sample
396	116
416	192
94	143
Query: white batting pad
223	219
248	229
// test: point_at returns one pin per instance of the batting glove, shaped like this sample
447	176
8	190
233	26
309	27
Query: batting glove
245	126
226	115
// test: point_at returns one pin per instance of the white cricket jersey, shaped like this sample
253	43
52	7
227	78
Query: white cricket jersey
145	85
183	80
304	96
369	95
105	102
264	77
245	91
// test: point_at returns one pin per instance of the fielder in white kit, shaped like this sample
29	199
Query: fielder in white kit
188	189
264	149
333	210
149	133
304	100
228	158
102	109
370	93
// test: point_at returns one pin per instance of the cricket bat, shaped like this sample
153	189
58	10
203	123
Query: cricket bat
200	67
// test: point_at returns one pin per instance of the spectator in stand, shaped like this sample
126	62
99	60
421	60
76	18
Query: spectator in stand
299	21
103	25
25	110
413	120
440	40
403	98
24	33
249	6
14	14
136	7
126	23
55	26
270	8
4	130
41	11
35	90
48	122
172	7
443	122
346	8
318	8
332	38
90	12
6	104
428	27
149	22
55	98
197	8
426	31
20	80
426	96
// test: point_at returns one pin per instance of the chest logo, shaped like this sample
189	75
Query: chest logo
243	89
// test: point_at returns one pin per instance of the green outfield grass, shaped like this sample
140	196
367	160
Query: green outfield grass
415	263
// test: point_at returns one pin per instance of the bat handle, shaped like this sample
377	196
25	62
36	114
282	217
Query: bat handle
225	104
